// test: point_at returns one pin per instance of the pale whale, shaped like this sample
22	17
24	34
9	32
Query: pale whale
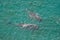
29	26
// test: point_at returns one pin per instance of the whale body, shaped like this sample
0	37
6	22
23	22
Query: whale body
34	15
29	26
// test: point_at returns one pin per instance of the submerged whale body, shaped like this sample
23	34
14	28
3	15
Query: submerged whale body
34	15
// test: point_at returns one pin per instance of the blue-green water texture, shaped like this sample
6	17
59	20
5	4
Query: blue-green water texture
13	12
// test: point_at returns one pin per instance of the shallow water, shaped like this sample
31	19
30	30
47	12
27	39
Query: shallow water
14	11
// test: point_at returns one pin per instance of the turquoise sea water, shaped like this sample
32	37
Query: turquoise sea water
14	11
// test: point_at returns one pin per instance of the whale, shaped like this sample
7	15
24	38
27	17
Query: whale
34	15
29	26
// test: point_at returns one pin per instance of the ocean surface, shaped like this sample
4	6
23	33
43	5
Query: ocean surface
13	12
